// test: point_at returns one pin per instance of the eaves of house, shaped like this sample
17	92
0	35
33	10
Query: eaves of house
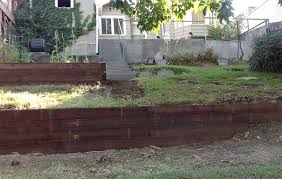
5	10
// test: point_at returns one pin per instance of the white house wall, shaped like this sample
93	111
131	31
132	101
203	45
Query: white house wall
87	7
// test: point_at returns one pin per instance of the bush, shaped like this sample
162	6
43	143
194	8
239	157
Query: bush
8	53
187	58
216	32
267	53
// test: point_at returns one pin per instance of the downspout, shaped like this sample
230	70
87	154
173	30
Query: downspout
97	27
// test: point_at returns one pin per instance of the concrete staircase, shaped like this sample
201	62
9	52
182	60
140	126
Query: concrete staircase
117	67
119	72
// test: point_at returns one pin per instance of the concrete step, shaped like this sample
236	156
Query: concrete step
119	72
120	76
117	67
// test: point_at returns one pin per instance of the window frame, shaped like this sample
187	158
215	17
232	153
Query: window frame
112	25
71	5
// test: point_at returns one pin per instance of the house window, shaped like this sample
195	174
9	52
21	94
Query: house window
64	3
106	26
118	26
112	25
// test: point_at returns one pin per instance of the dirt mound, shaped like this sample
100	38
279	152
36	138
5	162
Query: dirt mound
125	89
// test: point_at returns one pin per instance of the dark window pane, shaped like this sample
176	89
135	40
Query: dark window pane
64	3
106	26
118	24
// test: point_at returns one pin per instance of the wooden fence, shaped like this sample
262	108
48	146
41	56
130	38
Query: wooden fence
81	130
23	74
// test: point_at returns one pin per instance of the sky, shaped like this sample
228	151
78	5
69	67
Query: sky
269	9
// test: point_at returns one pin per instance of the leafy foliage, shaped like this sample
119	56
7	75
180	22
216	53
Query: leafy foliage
228	31
216	32
151	13
8	53
43	19
187	58
267	54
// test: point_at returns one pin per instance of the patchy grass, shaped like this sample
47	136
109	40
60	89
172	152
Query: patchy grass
239	157
269	172
255	171
190	85
225	75
205	85
55	96
155	68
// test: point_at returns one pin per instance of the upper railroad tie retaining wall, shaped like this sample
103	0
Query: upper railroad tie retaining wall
22	74
81	130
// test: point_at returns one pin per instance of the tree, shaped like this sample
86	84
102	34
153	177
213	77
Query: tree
43	19
227	31
152	13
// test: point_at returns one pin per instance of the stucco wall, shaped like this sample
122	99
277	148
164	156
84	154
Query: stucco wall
86	7
252	35
138	50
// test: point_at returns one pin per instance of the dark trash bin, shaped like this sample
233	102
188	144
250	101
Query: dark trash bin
38	45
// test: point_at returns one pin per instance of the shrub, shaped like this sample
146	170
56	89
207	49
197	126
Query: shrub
187	58
8	53
216	32
267	53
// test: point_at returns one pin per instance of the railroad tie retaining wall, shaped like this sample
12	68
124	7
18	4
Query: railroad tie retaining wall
81	130
23	74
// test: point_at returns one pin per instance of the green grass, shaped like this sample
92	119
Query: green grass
205	85
235	172
55	96
190	85
248	172
226	75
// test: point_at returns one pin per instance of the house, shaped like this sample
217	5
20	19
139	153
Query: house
113	24
6	16
258	12
259	9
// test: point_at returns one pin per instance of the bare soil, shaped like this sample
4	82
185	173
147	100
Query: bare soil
261	145
125	89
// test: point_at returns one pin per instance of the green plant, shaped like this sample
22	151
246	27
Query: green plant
267	53
43	19
24	56
187	58
228	31
151	13
8	53
207	56
216	32
56	56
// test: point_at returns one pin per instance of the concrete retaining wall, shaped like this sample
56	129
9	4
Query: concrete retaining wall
138	50
252	35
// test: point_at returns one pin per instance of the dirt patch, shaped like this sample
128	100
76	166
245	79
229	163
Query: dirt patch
261	144
125	89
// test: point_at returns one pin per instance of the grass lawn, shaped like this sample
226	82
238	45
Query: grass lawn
251	172
238	172
190	85
238	157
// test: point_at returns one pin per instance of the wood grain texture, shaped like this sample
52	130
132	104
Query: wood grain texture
25	74
81	130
